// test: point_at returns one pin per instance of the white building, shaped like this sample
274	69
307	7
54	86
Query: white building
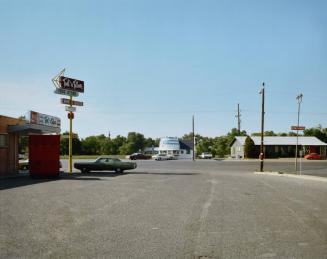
180	149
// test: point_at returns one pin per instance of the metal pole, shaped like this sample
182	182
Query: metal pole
193	135
262	92
299	99
238	119
70	138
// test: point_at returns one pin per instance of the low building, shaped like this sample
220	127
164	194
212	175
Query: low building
8	146
277	146
180	149
12	128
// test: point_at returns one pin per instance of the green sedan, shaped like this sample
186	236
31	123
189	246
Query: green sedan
105	163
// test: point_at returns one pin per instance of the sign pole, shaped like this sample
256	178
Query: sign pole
262	92
70	138
299	100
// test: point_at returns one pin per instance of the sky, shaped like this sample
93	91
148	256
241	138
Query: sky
150	65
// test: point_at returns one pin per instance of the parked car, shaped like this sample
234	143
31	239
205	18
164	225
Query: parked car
105	164
137	156
206	155
24	164
313	156
159	157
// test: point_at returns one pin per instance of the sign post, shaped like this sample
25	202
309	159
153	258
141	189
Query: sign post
71	139
70	87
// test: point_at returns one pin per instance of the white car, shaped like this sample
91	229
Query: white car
206	155
159	157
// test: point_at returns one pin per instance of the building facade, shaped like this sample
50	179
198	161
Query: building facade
12	128
277	146
180	149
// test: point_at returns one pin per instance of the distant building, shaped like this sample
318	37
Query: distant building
180	149
277	146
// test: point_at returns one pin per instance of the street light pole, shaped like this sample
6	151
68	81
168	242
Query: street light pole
299	100
193	136
262	92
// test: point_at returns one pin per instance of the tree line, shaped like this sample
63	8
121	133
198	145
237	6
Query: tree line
218	146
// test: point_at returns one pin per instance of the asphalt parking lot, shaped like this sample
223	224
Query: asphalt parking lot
167	209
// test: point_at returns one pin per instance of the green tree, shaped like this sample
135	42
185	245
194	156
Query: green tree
221	146
268	133
204	144
64	144
135	142
116	143
249	148
318	132
90	146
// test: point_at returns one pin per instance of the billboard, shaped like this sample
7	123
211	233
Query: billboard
43	119
71	84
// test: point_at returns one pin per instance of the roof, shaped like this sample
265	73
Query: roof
186	144
283	141
33	128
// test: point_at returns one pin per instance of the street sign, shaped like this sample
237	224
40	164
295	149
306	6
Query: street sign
67	101
70	109
65	92
64	101
77	103
71	84
297	128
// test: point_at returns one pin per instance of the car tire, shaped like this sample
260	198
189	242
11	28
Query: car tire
84	171
119	171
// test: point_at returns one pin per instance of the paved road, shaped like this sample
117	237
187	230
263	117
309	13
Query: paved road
167	209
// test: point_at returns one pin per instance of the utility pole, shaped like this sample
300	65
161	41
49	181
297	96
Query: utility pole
193	136
299	100
262	92
238	116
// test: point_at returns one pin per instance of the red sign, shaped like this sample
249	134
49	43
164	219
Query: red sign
71	84
67	101
297	128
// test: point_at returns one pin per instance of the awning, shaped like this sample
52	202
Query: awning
32	128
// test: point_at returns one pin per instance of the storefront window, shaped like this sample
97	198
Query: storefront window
3	140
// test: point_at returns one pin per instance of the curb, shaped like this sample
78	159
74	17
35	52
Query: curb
304	177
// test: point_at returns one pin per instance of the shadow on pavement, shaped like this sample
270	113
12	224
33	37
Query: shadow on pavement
25	180
163	173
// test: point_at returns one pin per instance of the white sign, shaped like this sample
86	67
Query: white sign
65	92
70	109
43	119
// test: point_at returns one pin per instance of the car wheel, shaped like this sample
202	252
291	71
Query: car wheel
118	171
84	171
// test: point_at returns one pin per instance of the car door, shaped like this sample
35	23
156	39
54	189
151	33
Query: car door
100	164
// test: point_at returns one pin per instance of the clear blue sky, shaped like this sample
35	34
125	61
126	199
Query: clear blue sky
149	65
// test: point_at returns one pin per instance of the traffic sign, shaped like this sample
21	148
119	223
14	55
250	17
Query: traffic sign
65	92
71	84
70	115
297	128
70	109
